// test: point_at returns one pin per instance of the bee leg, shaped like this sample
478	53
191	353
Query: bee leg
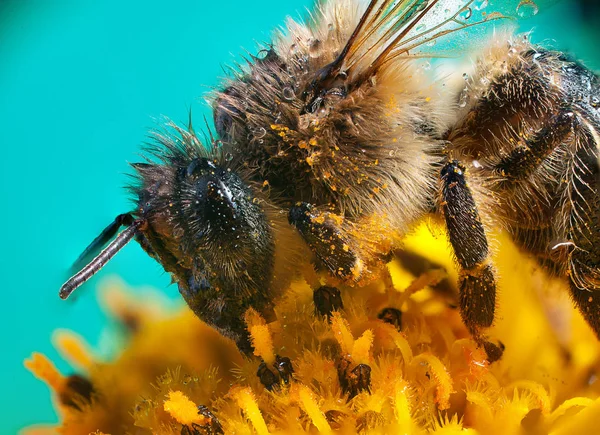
526	158
211	426
281	372
331	246
584	232
477	299
354	380
326	239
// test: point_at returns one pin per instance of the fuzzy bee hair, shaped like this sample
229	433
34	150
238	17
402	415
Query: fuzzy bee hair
210	226
357	140
366	148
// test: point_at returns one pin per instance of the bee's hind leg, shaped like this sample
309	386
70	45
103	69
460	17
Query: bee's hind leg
477	299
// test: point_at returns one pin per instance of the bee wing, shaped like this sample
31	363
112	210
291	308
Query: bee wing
389	29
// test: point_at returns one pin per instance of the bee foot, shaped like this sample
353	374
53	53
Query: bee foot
284	367
356	380
393	316
281	373
494	351
211	427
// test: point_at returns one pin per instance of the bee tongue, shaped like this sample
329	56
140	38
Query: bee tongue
101	259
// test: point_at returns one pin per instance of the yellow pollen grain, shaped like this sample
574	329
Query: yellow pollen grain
318	219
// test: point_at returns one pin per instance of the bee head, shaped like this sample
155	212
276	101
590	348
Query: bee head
194	215
197	206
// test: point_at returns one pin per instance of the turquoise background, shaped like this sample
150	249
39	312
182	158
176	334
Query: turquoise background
80	83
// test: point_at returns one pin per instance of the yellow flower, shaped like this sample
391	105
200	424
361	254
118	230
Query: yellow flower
353	373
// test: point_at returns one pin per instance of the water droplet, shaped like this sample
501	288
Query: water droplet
293	48
259	132
527	9
228	157
464	98
330	27
186	379
426	66
288	93
466	14
431	43
314	47
465	76
420	28
480	5
392	153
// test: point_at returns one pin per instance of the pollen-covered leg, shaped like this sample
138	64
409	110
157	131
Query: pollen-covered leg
477	299
331	245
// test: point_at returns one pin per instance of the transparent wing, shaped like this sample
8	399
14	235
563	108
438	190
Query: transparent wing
389	29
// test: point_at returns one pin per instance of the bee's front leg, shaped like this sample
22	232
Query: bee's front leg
477	299
332	248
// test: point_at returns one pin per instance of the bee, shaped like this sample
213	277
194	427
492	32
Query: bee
339	137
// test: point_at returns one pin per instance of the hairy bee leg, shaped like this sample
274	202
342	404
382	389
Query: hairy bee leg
325	239
584	264
477	299
526	158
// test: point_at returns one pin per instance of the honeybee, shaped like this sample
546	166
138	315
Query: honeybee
339	137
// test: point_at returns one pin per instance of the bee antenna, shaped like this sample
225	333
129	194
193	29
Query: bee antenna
89	270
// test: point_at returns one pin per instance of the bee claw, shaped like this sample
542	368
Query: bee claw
356	380
393	316
284	367
272	379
